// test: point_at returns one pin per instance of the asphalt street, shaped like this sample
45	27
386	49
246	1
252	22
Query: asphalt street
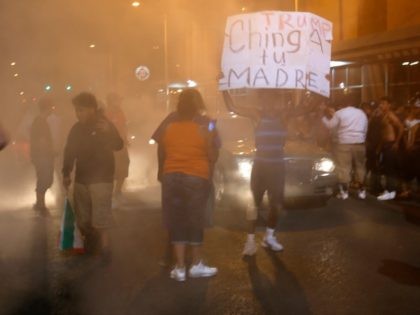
350	257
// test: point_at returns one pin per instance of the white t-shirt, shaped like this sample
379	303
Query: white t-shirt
350	125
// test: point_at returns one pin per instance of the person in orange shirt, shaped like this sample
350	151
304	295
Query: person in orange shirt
187	152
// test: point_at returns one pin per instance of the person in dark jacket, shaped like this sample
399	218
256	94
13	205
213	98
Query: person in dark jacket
42	153
90	147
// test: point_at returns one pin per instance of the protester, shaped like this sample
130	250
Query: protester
411	165
267	173
203	120
115	114
186	155
350	127
373	140
43	150
90	146
391	135
4	138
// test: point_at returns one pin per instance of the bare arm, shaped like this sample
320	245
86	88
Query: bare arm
398	126
251	113
330	120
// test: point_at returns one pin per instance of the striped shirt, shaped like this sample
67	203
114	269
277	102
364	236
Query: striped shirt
270	137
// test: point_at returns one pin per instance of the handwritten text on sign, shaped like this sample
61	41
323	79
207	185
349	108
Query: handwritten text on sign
274	49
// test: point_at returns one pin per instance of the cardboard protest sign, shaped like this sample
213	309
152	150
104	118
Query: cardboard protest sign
275	49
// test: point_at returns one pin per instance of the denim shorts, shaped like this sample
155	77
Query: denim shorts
184	201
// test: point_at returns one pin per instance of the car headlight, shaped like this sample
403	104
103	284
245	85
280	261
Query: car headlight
325	165
244	168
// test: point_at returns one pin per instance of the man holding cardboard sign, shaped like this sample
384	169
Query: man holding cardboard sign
270	51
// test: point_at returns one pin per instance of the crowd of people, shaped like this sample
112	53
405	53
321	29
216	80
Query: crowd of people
376	148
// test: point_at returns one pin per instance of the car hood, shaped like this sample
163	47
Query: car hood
293	149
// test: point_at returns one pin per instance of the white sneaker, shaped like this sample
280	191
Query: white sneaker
272	243
250	248
362	194
386	195
343	195
178	274
200	270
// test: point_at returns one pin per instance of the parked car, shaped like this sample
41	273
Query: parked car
309	170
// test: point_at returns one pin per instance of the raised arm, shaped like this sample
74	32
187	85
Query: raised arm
250	113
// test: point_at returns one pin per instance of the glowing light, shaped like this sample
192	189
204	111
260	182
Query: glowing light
13	64
245	167
133	137
405	63
414	63
16	75
334	63
179	90
191	83
48	88
22	93
135	4
325	165
69	87
152	142
92	46
342	85
243	9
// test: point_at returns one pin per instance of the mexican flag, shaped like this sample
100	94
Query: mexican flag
70	237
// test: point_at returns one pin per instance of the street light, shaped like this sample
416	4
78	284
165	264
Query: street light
135	4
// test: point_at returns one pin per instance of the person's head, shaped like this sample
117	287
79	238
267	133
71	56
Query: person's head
385	104
272	102
367	108
113	101
46	106
190	103
347	100
85	106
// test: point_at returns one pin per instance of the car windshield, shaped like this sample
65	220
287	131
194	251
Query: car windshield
234	129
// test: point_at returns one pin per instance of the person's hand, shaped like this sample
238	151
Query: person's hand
66	182
329	112
103	125
322	107
220	76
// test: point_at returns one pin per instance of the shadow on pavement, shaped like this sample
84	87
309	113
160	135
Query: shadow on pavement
32	274
281	296
412	214
162	295
400	272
